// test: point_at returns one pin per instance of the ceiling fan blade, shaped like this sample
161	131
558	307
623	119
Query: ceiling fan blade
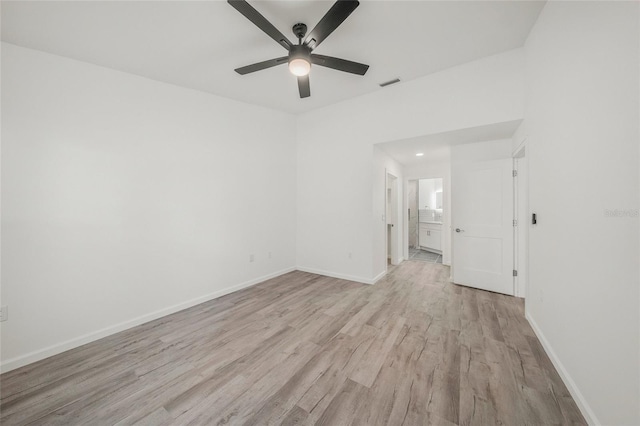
340	10
339	64
303	86
260	21
261	65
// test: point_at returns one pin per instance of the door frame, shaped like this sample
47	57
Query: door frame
521	215
406	246
391	205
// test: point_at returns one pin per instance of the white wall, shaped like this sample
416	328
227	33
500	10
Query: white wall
335	155
125	199
582	134
480	151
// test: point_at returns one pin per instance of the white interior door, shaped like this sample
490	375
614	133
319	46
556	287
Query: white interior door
482	209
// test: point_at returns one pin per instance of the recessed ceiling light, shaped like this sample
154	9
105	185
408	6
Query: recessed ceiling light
420	154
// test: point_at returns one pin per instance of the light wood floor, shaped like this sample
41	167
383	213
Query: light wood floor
306	349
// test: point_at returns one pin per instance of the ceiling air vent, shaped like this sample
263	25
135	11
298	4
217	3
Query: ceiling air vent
390	82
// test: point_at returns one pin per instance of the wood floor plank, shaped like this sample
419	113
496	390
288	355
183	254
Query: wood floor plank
357	321
382	406
275	409
159	417
342	409
151	397
219	376
327	385
258	387
296	416
304	349
367	371
96	407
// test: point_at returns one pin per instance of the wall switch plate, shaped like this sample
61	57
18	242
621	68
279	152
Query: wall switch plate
251	258
4	313
269	255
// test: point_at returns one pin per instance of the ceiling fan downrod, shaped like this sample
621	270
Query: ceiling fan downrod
300	30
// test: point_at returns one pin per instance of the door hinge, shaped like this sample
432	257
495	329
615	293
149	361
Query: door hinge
515	273
515	222
514	173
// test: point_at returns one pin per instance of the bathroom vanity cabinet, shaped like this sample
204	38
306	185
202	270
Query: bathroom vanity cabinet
430	236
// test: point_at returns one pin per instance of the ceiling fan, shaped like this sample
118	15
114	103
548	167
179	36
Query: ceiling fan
300	57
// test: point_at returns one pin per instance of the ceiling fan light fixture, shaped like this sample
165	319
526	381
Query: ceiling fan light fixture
300	57
299	67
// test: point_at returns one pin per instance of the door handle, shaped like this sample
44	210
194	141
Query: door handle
459	230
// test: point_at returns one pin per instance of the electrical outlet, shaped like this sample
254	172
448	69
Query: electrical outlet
350	255
252	258
269	255
4	313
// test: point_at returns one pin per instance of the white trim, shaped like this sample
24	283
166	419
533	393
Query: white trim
396	216
521	231
378	277
580	400
342	276
40	354
520	147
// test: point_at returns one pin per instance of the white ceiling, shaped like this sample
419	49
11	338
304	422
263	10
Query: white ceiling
198	44
436	147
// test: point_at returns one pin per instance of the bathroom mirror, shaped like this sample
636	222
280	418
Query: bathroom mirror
430	200
439	200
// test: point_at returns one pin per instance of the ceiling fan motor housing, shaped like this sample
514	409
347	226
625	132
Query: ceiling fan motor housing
300	30
300	52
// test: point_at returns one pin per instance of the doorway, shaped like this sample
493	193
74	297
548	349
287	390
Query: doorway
426	212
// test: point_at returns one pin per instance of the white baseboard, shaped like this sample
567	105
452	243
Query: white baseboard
378	277
340	276
580	400
40	354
